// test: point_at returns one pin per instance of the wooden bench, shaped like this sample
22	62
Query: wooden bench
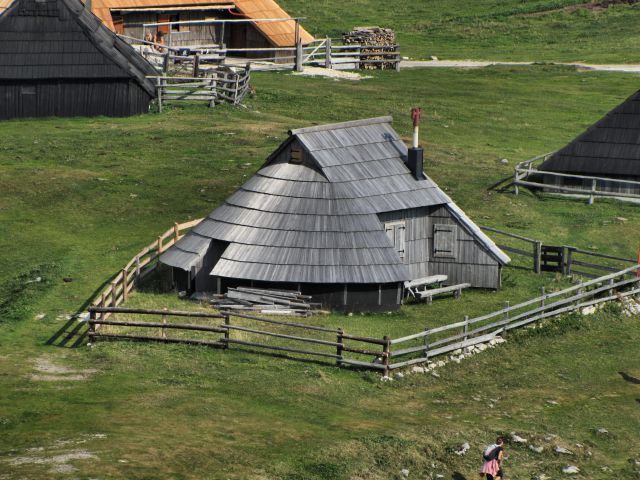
414	287
455	289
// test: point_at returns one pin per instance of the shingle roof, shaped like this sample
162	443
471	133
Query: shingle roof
280	34
609	147
59	39
317	222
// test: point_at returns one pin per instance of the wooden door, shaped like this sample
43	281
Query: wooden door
162	18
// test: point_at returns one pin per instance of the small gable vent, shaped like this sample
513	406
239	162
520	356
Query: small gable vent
295	155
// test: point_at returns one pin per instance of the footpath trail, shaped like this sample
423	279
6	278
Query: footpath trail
487	63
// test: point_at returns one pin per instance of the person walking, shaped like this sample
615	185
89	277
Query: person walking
492	457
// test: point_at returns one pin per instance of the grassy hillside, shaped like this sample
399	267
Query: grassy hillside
79	197
532	30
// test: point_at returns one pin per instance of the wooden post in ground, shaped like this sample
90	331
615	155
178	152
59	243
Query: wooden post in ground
466	331
611	289
196	66
426	344
506	317
299	67
114	296
137	266
515	181
327	54
537	256
159	90
92	326
386	354
340	341
124	284
159	244
176	232
594	184
227	322
165	63
568	256
164	322
103	303
398	58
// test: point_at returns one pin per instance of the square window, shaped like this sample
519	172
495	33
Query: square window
445	240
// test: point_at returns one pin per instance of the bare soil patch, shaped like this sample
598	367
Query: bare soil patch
48	371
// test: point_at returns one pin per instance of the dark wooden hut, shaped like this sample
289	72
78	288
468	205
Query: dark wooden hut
610	148
338	212
58	59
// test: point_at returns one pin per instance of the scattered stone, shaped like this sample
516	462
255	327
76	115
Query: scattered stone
35	280
386	379
481	347
563	451
549	436
570	470
439	475
399	375
589	310
517	439
579	445
405	472
542	476
457	352
539	449
40	316
455	359
434	58
604	468
133	195
417	370
552	402
440	363
504	161
621	219
477	399
435	374
463	449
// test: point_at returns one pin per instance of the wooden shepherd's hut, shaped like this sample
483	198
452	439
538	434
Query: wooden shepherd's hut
608	149
342	212
58	59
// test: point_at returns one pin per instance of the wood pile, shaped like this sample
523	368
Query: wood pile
276	302
378	38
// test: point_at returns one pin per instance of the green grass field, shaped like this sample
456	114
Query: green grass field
516	30
79	197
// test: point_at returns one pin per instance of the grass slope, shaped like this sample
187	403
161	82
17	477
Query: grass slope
79	197
532	30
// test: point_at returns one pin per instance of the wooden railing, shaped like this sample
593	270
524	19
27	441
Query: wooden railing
564	259
424	346
224	85
526	175
241	330
141	265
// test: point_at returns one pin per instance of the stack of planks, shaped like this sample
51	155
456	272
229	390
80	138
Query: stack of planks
378	38
276	302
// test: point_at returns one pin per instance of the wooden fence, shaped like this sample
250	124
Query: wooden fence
143	263
424	346
526	175
564	259
224	85
248	331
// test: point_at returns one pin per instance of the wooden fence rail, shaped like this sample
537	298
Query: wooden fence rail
561	258
527	175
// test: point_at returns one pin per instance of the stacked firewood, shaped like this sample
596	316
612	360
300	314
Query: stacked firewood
265	301
378	38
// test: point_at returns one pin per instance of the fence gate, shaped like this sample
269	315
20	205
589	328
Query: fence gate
552	259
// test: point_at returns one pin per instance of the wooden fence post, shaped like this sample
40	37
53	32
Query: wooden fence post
594	184
103	303
466	331
299	67
114	296
611	289
227	322
537	256
386	354
515	181
339	340
165	62
164	322
137	266
567	263
159	244
398	57
327	54
176	232
124	284
506	317
92	326
159	90
196	65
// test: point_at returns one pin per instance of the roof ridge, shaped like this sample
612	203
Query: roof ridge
334	126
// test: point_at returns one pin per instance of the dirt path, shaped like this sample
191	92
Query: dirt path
484	63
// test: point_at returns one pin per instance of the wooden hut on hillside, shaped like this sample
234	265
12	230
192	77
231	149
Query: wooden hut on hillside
342	212
58	59
610	149
127	17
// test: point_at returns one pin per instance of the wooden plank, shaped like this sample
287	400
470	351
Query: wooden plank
516	250
508	234
358	363
279	348
177	326
143	311
279	322
158	339
355	338
282	335
425	281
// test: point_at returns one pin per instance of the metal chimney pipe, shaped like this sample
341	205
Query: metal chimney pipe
415	116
